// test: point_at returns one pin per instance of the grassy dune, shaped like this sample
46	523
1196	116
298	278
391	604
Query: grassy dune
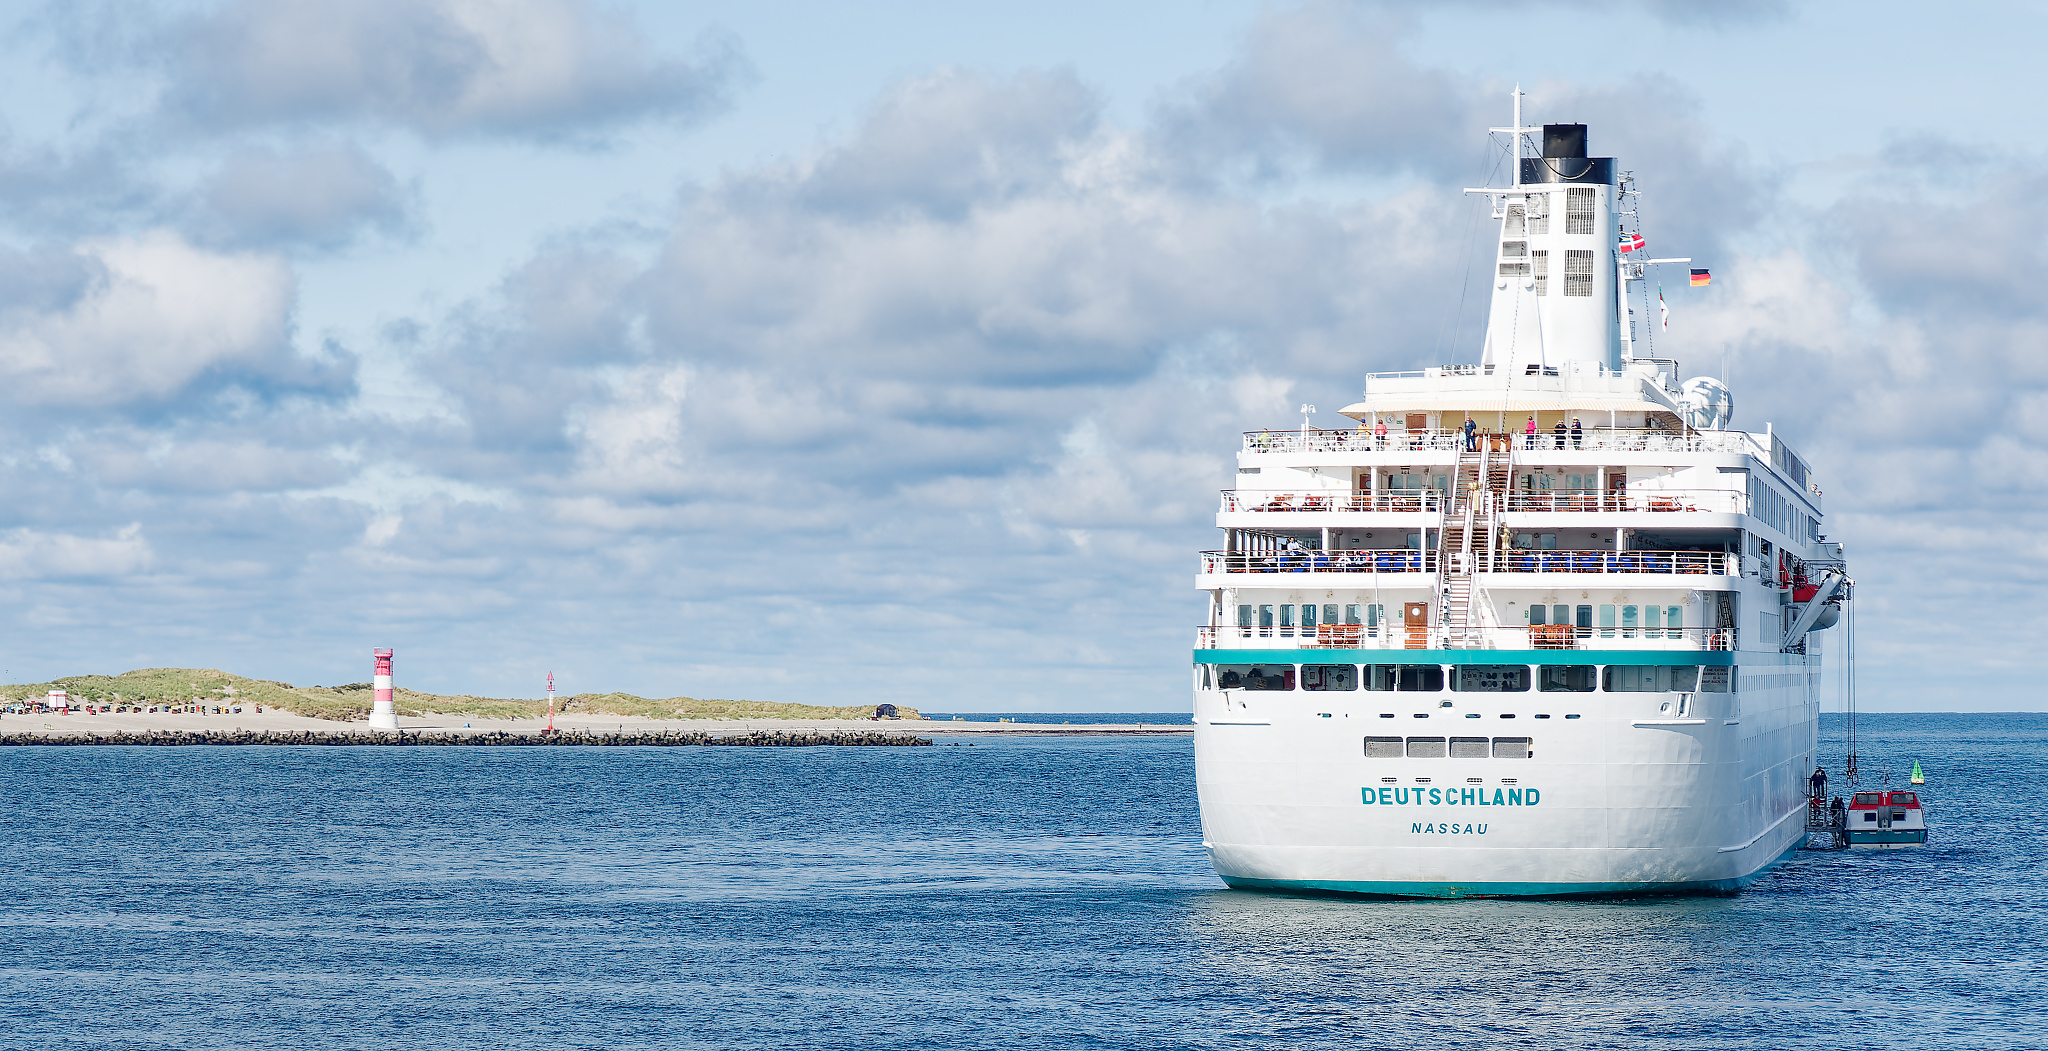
348	703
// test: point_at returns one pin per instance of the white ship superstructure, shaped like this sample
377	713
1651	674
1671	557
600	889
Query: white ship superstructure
1574	652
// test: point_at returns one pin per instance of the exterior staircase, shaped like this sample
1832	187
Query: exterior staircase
1469	542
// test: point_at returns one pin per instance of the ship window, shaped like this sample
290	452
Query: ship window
1651	615
1539	213
1468	747
1511	748
1330	613
1265	616
1255	676
1652	678
1244	616
1560	614
1905	798
1535	608
1870	816
1514	257
1629	619
1673	617
1578	214
1492	678
1383	748
1308	620
1539	262
1517	216
1867	799
1351	613
1425	748
1585	615
1578	272
1329	677
1287	615
1568	678
1410	678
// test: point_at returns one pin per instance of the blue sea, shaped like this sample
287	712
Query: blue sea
1029	892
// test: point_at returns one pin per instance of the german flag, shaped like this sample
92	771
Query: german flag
1701	277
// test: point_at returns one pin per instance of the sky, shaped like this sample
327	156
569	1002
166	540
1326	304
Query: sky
896	351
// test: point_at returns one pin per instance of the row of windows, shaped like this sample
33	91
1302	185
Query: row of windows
1448	748
1469	678
1627	618
1306	616
1766	503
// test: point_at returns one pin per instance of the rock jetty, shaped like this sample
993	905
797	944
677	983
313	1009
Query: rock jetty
497	739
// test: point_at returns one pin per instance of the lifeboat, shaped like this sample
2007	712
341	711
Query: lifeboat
1886	820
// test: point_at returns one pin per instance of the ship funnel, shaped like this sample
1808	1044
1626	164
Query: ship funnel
1564	141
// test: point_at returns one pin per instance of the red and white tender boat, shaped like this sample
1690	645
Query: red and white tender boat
1886	820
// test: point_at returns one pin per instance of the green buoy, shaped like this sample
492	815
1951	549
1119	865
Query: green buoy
1918	777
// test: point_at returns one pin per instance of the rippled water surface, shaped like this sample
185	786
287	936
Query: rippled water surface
1029	892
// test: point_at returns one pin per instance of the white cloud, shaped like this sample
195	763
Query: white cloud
161	315
321	194
27	554
442	67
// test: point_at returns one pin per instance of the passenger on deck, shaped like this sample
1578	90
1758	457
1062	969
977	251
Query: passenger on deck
1529	434
1559	430
1578	434
1471	435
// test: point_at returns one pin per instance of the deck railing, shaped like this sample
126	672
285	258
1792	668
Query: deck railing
1515	560
1279	500
1726	501
1399	560
1622	439
1396	637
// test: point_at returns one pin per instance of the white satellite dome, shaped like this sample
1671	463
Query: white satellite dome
1706	403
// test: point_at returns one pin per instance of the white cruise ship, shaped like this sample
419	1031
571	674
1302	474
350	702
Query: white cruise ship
1577	652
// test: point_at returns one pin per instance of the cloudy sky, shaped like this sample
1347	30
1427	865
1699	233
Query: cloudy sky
895	351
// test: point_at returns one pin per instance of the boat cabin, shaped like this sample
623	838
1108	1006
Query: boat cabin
1886	819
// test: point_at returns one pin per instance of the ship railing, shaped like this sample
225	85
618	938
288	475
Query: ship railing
1285	500
1725	501
1397	560
1399	637
1350	440
1527	560
1622	439
1515	560
1623	637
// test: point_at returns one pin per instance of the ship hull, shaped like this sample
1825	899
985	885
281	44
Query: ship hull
1622	795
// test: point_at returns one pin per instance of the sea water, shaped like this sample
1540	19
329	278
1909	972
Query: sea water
1018	892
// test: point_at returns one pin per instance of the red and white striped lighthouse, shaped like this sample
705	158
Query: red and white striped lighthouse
382	715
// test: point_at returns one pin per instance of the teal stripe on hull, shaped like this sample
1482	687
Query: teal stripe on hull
1390	889
1916	835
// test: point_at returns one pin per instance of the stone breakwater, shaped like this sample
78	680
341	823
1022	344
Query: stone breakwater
500	739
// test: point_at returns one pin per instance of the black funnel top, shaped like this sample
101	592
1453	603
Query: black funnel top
1564	140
